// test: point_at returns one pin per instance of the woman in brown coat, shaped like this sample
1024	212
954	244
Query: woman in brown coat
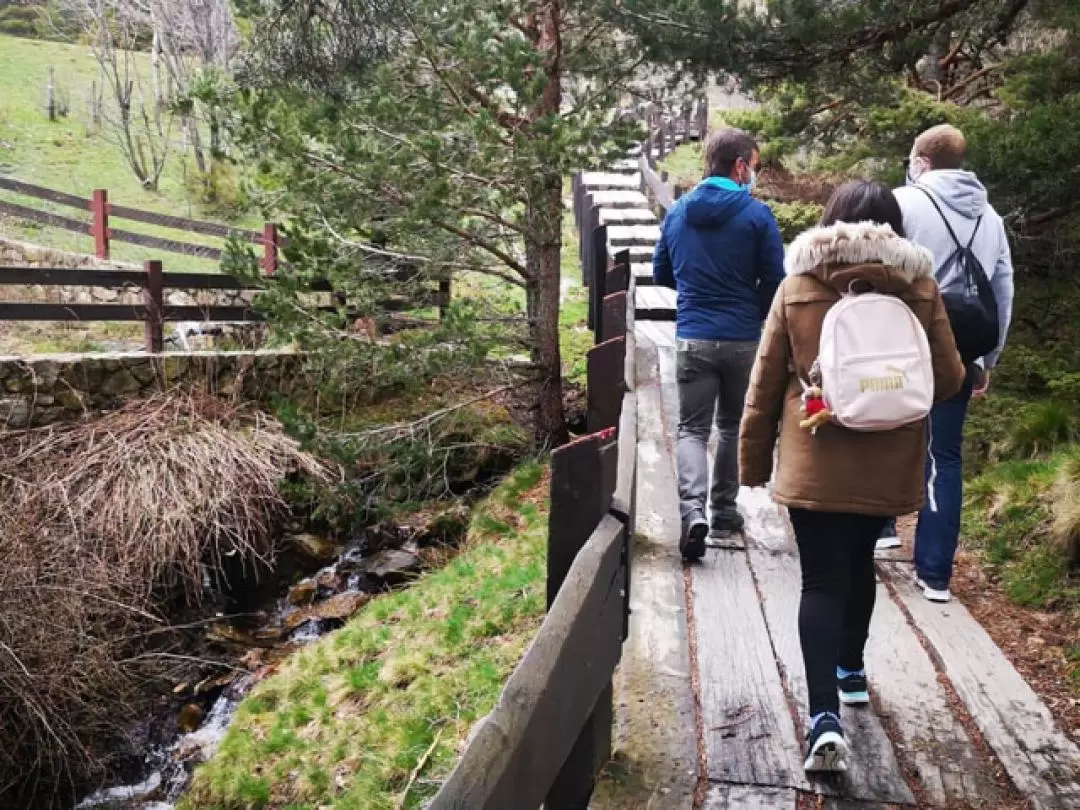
839	485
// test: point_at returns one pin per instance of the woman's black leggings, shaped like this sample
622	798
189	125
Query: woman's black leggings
836	551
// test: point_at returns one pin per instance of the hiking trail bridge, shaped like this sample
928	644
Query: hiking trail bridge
708	695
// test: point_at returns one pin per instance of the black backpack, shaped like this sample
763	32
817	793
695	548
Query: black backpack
971	304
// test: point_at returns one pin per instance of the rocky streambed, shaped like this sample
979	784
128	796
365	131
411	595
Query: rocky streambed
318	584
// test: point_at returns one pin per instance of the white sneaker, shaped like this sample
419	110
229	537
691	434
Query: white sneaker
885	543
933	594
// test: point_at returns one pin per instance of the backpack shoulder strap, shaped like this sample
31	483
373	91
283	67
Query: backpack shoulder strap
971	241
944	218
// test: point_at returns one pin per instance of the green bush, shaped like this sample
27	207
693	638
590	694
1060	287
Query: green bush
795	217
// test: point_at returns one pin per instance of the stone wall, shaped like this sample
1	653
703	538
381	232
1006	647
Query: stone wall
40	390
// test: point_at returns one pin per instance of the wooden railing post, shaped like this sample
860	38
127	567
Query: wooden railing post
270	248
154	301
582	483
445	294
99	227
596	270
605	364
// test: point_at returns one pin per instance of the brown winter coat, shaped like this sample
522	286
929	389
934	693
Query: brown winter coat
840	470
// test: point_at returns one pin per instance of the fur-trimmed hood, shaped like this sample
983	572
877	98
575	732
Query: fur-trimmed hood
839	249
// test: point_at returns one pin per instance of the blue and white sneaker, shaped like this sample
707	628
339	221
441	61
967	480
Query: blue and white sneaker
827	750
853	689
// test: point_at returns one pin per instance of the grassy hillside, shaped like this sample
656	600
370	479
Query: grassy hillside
68	156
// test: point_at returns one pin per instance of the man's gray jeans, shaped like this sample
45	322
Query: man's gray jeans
713	377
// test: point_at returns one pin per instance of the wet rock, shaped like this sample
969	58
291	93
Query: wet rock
320	550
336	608
228	634
189	718
303	593
391	566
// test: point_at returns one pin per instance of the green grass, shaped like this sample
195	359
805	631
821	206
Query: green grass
1009	514
67	156
345	723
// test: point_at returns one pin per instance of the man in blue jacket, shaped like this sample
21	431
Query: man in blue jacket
721	250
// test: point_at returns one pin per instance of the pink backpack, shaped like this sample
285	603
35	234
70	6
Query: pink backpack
874	363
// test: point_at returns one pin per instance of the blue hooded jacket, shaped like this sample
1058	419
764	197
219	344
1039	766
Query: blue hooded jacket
721	250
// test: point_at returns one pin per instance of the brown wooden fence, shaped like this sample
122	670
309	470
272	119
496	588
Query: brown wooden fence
153	311
550	733
102	214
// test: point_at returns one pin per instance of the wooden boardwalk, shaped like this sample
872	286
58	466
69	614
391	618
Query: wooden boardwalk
711	690
952	723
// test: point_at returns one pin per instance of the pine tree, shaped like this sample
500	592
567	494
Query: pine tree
432	138
850	84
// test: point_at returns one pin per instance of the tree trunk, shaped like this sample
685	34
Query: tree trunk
542	296
543	256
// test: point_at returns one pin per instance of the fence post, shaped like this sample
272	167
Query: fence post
270	248
154	301
444	297
99	227
597	273
605	364
581	490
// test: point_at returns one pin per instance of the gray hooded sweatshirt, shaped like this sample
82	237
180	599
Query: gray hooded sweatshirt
963	200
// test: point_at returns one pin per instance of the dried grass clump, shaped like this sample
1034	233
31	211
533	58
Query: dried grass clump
163	489
102	523
1066	507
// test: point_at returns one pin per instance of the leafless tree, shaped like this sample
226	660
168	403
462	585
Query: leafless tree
189	40
141	125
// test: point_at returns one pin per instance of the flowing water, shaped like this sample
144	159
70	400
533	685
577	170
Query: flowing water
318	604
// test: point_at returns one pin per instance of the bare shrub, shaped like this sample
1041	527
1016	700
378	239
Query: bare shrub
103	523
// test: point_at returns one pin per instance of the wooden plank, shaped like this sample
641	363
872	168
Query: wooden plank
67	277
215	314
44	217
71	312
206	281
950	769
515	753
1041	760
874	774
667	362
618	280
605	374
657	333
171	245
607	181
749	797
656	188
627	235
621	198
182	223
655	706
641	254
767	526
749	735
627	216
577	504
642	273
622	497
42	193
654	304
613	320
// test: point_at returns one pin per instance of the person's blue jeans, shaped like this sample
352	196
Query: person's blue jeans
938	530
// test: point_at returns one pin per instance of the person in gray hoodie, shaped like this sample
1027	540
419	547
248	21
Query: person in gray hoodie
939	190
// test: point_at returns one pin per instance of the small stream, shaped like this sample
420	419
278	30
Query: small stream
315	605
